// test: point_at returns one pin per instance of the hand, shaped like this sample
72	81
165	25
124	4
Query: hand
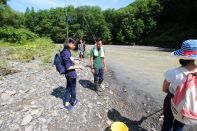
81	67
76	61
92	70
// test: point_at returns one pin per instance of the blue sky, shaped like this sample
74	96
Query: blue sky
21	5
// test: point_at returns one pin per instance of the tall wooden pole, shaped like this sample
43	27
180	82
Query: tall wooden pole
66	19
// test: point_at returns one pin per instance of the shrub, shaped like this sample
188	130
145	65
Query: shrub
14	35
41	47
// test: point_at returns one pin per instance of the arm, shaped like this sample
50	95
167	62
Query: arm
104	63
92	61
75	67
92	64
68	62
166	85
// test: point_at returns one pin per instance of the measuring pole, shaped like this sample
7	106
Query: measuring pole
66	19
93	36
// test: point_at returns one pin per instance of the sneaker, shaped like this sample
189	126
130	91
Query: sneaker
67	106
75	102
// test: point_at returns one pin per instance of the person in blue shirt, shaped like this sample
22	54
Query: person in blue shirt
71	75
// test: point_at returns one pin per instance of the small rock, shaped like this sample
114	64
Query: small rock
1	122
21	91
5	96
84	117
47	86
95	97
111	92
32	90
49	120
26	120
106	98
40	112
16	128
144	104
99	116
11	93
147	111
54	113
34	112
26	96
10	101
44	128
125	90
29	128
109	122
33	106
106	85
162	116
3	103
99	103
42	120
1	91
160	119
153	129
32	103
1	82
90	105
26	91
25	108
102	86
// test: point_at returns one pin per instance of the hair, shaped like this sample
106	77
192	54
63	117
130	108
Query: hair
185	62
81	39
98	39
70	40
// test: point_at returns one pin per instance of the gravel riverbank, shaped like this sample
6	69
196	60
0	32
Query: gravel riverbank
32	100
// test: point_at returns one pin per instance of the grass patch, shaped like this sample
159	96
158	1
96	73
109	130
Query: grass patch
29	51
4	69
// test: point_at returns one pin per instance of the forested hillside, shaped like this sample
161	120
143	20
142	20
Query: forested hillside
163	23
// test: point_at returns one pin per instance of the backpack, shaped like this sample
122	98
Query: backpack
58	62
184	102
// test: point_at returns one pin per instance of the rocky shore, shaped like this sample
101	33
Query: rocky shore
32	100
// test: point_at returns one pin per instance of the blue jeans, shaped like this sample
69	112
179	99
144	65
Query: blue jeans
98	75
70	95
170	124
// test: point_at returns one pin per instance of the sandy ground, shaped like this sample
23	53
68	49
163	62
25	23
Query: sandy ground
140	70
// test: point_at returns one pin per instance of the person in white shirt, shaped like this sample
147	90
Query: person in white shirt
174	78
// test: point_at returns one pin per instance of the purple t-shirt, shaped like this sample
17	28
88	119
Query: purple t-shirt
66	55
